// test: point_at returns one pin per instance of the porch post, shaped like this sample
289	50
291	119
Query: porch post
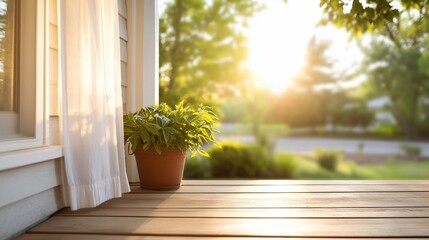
142	68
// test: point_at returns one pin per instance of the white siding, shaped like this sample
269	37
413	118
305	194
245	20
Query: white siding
30	193
123	37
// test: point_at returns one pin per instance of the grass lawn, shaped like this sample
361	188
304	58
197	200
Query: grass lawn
347	169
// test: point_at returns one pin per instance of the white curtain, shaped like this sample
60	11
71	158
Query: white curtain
91	104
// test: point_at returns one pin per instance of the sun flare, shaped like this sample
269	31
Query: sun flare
277	40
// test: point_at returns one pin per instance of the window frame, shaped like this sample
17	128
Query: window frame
31	88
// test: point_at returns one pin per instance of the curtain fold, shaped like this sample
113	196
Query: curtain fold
91	102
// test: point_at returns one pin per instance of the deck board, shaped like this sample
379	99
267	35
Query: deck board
254	209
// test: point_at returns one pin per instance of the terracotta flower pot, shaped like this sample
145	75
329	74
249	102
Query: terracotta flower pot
160	171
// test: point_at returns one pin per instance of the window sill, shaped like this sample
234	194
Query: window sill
15	159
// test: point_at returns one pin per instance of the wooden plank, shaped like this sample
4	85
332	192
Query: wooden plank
32	236
254	213
300	182
292	188
271	200
247	227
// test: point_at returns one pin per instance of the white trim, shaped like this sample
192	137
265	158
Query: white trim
9	160
9	122
142	66
32	64
132	55
150	53
142	75
46	78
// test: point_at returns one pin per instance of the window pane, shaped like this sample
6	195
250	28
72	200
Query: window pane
7	52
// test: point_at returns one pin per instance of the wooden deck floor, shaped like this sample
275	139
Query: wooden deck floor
252	210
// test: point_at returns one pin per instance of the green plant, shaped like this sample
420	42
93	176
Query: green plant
236	160
327	159
197	168
411	151
160	125
283	165
388	131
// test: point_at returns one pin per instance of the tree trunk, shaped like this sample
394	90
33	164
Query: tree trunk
176	47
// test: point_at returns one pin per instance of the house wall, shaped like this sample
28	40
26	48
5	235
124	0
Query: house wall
123	37
30	179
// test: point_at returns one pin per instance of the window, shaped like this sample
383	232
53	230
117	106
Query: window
8	37
21	73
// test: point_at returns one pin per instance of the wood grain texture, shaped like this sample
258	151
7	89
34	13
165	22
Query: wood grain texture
262	209
245	227
294	188
271	200
254	213
32	236
299	182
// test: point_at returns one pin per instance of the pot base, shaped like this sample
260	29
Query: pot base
151	187
160	171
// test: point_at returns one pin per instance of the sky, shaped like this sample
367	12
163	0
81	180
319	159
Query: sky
278	36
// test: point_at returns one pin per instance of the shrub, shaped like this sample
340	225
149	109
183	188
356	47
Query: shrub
388	131
236	160
328	159
282	166
197	167
411	151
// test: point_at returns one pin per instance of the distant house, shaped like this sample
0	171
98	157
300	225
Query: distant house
31	154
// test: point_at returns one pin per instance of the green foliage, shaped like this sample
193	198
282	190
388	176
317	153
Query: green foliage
388	130
235	160
298	167
354	114
202	48
296	109
411	151
234	110
183	127
283	165
397	61
310	103
361	16
197	168
395	72
327	159
318	67
245	128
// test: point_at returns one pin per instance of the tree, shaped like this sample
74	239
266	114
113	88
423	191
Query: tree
360	17
396	59
317	80
202	49
395	73
296	108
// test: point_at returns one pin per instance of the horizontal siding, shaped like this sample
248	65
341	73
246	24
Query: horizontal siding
20	183
31	192
123	38
23	214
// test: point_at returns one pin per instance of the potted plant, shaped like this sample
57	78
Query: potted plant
160	136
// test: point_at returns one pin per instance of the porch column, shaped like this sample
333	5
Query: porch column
142	69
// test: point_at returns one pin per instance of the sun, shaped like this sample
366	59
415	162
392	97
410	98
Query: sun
277	40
